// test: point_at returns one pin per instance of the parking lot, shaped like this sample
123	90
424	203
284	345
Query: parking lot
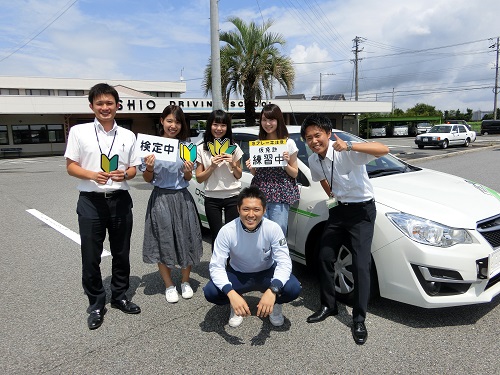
43	318
406	149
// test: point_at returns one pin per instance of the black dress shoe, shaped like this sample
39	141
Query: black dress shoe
359	333
128	307
322	314
96	318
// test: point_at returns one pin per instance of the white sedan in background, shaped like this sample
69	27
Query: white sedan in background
445	135
428	250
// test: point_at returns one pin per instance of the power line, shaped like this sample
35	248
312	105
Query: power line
41	31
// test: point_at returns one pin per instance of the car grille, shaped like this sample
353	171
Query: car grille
494	280
490	230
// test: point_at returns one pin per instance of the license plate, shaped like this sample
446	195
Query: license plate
494	261
425	139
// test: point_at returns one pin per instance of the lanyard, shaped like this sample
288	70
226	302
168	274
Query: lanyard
330	183
107	164
99	144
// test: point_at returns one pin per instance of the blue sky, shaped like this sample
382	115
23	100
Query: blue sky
427	51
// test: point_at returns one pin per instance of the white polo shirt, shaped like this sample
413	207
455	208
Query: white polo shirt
84	141
349	180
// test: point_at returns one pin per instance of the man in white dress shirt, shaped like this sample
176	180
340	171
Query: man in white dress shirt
102	157
340	168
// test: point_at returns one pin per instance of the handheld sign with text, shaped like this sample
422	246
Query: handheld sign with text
268	153
162	148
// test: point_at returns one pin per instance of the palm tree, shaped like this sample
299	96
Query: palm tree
250	61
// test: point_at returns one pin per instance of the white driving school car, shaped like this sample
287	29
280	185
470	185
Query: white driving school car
427	250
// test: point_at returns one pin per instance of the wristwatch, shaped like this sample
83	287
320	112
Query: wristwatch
276	290
125	176
349	145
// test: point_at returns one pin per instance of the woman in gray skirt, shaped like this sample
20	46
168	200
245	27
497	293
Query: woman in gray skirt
172	234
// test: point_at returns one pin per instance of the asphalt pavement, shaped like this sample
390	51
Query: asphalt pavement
43	309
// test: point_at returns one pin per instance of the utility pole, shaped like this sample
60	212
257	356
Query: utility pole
392	112
357	40
215	55
495	89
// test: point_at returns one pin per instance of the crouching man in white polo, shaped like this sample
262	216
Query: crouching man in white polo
258	261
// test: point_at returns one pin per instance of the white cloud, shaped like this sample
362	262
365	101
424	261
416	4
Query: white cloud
155	40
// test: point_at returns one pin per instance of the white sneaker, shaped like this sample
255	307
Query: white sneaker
276	318
187	291
234	320
171	294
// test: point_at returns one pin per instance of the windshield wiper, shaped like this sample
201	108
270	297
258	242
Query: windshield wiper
384	172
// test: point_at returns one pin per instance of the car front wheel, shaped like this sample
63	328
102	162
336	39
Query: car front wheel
344	279
444	144
420	146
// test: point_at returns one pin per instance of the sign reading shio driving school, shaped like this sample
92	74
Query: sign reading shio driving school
156	105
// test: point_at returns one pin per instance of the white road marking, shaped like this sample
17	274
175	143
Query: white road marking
61	228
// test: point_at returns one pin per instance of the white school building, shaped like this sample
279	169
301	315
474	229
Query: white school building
36	113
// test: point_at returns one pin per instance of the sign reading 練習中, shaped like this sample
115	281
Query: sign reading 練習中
267	153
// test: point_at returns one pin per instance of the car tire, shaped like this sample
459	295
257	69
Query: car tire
343	279
312	248
485	133
420	146
344	282
444	144
467	142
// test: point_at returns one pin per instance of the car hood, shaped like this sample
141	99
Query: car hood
437	196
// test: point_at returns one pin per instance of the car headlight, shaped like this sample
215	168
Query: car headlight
428	232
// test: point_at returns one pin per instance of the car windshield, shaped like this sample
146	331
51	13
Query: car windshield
440	129
382	166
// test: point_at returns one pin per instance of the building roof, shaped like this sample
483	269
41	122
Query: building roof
45	83
329	97
291	96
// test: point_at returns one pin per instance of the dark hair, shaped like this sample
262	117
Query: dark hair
251	191
321	121
102	89
273	112
178	113
221	117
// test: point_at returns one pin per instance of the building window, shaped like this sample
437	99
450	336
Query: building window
37	92
4	136
70	93
32	134
160	94
9	91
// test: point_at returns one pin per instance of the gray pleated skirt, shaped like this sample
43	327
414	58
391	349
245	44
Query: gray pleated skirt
172	233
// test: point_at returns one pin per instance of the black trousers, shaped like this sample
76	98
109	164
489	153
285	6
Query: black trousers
213	211
96	215
353	226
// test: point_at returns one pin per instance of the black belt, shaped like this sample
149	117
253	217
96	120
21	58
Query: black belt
106	194
357	203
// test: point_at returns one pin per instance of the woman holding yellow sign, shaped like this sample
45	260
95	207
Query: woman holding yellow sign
219	166
172	233
277	183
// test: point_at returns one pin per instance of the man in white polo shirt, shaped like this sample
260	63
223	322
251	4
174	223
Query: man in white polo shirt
340	168
102	156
